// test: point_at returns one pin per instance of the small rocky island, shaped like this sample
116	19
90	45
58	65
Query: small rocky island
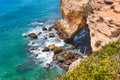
87	25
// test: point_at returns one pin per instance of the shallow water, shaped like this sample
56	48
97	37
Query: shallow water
16	17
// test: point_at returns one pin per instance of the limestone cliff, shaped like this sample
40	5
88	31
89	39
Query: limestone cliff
74	15
104	22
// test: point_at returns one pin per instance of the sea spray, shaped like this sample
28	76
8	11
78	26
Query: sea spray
44	40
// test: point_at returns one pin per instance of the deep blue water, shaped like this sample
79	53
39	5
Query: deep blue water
15	18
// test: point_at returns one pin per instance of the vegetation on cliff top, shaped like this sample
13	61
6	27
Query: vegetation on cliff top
101	65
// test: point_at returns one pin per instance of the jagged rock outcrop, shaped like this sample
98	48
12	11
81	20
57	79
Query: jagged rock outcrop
74	13
103	23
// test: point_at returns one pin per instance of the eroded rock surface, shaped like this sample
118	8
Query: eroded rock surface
104	23
32	35
74	14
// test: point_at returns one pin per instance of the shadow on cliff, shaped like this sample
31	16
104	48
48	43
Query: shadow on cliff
82	41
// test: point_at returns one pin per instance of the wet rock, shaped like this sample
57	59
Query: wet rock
45	37
51	35
47	66
46	49
69	55
52	46
50	28
39	33
44	29
65	67
68	62
55	57
60	59
32	35
33	48
36	55
55	49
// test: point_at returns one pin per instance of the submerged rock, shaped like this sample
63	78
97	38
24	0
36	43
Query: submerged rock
32	35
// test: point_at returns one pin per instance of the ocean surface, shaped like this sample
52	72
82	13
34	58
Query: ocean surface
16	17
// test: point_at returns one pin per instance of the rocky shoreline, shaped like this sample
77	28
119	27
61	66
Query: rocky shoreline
63	55
87	25
100	17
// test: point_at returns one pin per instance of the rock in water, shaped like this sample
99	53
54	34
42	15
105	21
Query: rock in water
32	35
51	35
55	48
46	49
44	29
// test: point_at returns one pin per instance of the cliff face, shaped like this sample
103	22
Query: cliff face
104	22
73	19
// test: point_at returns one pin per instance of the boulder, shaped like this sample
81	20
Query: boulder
55	48
36	55
65	67
46	49
33	48
68	62
69	55
60	59
55	57
39	33
51	35
32	35
50	28
52	46
44	29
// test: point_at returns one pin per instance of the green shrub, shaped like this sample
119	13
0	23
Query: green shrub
101	65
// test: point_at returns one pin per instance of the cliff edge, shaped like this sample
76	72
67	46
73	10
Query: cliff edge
93	22
100	16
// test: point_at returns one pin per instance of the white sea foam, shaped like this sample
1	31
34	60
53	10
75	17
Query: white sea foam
42	41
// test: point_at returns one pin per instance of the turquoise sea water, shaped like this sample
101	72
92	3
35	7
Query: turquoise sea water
15	18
